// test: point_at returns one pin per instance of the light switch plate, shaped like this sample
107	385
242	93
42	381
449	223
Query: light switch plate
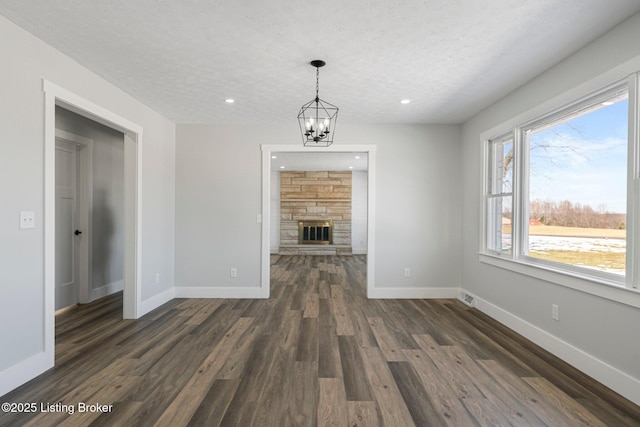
27	220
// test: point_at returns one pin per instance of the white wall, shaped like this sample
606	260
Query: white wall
218	194
27	61
275	212
418	205
359	212
593	330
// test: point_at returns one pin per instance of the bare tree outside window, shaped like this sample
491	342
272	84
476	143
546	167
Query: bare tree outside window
577	188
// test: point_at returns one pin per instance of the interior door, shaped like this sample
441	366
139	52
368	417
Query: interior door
66	233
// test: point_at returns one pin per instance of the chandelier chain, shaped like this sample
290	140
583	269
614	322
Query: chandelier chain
317	81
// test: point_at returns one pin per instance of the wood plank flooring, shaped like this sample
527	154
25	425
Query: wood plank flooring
317	353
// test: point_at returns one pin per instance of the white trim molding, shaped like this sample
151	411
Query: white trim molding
611	291
156	301
232	292
414	293
22	372
106	290
620	382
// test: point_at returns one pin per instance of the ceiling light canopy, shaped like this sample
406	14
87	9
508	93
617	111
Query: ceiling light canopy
318	118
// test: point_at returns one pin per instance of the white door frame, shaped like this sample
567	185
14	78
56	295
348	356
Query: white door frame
84	199
267	152
55	95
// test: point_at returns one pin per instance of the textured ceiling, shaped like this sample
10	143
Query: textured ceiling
450	57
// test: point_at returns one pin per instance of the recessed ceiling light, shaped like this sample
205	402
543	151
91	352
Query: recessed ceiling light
229	101
350	167
357	157
405	101
281	167
274	157
607	103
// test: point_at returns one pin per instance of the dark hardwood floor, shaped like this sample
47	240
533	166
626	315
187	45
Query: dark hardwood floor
316	353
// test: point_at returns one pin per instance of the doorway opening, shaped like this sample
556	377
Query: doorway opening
56	96
271	198
89	210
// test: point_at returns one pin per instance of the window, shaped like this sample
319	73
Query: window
500	197
577	187
556	193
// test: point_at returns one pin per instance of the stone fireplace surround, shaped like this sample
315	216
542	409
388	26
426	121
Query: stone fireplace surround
317	195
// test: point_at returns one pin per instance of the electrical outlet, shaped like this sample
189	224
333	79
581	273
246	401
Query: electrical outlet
555	312
407	272
27	219
234	272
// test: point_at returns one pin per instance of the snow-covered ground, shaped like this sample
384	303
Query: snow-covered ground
581	244
558	243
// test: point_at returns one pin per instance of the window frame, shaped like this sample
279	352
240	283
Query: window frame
491	194
560	273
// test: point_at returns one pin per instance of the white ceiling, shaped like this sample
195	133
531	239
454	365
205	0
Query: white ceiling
452	58
319	161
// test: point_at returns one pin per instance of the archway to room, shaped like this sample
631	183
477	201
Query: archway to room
355	235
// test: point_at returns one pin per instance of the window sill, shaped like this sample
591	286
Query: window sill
599	287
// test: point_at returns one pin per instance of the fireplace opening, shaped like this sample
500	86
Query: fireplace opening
315	232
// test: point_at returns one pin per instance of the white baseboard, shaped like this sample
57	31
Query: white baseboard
220	292
24	371
413	293
359	251
620	382
156	301
106	290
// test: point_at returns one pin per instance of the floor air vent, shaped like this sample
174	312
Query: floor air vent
467	299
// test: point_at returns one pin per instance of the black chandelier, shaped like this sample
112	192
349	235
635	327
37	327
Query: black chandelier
318	118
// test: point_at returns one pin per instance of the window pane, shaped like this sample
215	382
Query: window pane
499	233
578	188
501	167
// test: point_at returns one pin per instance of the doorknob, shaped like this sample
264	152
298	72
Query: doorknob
77	232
